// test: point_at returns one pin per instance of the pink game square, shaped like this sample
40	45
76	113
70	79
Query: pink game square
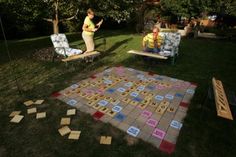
152	122
99	91
120	70
88	91
146	114
158	133
159	87
177	86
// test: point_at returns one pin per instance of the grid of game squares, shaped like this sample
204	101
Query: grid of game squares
145	105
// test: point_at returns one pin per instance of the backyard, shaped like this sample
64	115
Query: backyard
202	134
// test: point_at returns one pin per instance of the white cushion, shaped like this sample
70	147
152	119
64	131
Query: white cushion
61	45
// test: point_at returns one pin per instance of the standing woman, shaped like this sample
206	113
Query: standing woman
88	30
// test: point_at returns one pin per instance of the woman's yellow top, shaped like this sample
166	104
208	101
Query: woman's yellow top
90	25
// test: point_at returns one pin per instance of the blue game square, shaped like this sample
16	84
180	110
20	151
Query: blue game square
134	94
190	91
130	69
119	117
102	102
137	99
173	80
141	88
159	97
129	84
133	131
117	108
179	95
159	78
151	87
175	124
151	78
72	102
121	89
108	70
107	81
140	76
169	96
111	90
74	86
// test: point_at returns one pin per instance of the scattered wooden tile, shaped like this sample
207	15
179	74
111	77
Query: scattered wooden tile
17	119
65	121
74	135
64	130
28	103
41	115
32	110
38	102
105	140
71	112
14	113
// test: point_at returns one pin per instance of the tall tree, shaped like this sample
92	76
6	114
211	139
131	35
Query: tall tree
60	8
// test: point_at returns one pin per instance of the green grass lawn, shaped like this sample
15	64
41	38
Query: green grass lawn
203	133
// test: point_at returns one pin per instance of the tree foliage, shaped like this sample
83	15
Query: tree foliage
24	16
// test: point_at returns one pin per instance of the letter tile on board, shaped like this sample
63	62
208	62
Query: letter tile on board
162	107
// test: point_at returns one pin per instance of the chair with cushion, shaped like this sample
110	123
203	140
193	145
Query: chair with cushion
62	47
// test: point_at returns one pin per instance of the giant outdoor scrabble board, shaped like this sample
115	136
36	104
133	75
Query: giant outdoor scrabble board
142	104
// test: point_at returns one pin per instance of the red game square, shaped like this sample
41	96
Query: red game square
97	115
184	104
56	94
150	73
167	147
194	84
93	77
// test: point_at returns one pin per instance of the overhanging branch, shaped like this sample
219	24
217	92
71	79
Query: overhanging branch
49	20
70	18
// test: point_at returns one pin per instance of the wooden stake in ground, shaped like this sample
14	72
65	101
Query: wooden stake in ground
105	140
17	119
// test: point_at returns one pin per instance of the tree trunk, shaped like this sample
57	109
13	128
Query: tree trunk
140	18
56	20
55	27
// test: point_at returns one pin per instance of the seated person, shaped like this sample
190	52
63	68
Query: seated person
151	42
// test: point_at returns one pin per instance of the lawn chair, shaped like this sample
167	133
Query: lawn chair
169	47
61	46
